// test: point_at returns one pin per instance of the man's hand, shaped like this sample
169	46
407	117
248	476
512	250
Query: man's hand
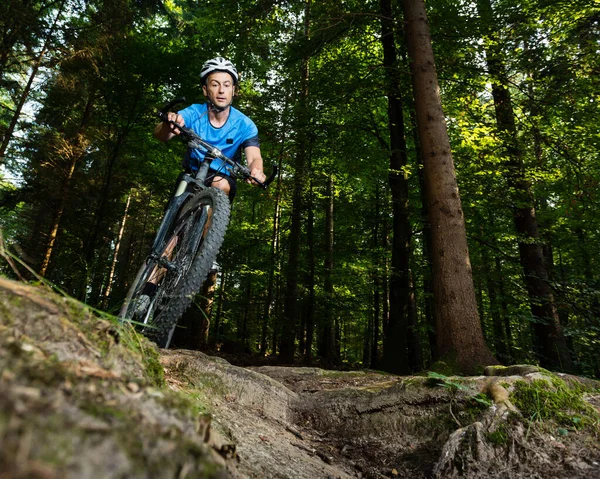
258	174
177	118
164	131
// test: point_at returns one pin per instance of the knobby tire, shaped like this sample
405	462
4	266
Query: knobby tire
195	250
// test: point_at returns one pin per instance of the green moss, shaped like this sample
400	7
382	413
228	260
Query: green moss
451	383
103	411
498	437
6	314
553	399
154	368
193	402
147	351
50	372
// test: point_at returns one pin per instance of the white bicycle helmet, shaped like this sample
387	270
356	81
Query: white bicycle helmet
218	64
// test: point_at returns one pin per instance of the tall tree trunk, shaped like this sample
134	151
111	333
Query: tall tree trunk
104	197
498	325
207	301
426	248
327	344
458	330
310	282
504	307
415	351
395	348
215	332
373	330
275	262
113	266
248	303
550	341
78	150
288	332
493	285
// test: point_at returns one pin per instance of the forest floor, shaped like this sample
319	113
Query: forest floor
82	397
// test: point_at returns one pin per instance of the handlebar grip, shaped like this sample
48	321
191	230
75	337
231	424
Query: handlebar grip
169	106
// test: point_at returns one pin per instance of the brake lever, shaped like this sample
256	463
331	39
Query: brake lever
264	185
270	179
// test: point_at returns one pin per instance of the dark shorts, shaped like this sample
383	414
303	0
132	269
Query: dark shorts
213	174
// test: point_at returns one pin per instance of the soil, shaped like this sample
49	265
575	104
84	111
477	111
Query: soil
84	397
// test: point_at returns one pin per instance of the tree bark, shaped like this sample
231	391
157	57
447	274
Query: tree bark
77	150
395	347
549	338
458	330
288	333
327	341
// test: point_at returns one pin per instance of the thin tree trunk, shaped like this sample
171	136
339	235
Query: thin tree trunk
207	301
113	265
310	283
215	335
328	350
243	335
27	90
504	307
275	263
373	336
287	345
77	154
415	351
493	282
458	330
426	244
395	347
550	341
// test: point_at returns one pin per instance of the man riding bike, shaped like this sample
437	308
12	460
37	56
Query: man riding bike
224	127
220	124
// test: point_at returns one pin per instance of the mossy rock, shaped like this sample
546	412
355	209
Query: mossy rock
514	370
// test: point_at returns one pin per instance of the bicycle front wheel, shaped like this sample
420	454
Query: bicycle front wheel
190	251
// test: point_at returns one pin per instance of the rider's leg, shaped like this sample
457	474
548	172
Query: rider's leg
222	184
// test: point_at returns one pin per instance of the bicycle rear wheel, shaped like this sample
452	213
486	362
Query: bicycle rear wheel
190	249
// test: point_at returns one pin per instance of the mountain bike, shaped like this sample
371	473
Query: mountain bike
186	244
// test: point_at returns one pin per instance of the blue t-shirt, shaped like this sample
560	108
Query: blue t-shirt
238	132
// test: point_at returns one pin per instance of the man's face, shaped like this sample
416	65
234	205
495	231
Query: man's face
219	89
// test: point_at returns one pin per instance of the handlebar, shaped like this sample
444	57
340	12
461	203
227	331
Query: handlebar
194	141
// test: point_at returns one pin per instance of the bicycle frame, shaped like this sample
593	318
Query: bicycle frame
196	180
188	206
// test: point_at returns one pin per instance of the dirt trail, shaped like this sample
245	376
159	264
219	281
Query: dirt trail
82	397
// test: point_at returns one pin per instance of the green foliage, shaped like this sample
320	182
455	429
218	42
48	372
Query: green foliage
83	148
552	399
498	437
444	381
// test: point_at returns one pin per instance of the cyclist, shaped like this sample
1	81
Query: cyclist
219	123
